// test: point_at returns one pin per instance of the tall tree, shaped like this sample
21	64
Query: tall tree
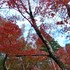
41	9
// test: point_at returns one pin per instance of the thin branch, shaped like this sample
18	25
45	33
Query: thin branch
24	7
29	7
21	12
33	24
32	55
23	15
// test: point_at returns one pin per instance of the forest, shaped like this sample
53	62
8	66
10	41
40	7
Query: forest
34	35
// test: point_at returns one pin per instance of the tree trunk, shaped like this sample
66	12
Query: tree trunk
4	62
68	9
48	46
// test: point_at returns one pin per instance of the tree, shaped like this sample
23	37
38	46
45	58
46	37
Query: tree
55	5
8	35
13	45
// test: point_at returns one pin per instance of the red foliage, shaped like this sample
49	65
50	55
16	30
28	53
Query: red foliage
55	2
46	35
39	42
64	54
64	2
9	34
60	52
12	45
35	55
68	49
11	3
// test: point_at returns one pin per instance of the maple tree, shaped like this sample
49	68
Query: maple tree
9	38
13	45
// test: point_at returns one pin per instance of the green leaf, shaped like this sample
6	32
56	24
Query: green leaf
55	46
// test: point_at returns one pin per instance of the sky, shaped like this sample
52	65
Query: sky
58	36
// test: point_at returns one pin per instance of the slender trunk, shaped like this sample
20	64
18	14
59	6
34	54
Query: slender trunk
4	62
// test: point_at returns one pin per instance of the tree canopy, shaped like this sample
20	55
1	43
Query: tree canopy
47	19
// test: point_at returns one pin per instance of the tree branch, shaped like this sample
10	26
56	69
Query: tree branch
32	55
68	9
24	7
21	12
